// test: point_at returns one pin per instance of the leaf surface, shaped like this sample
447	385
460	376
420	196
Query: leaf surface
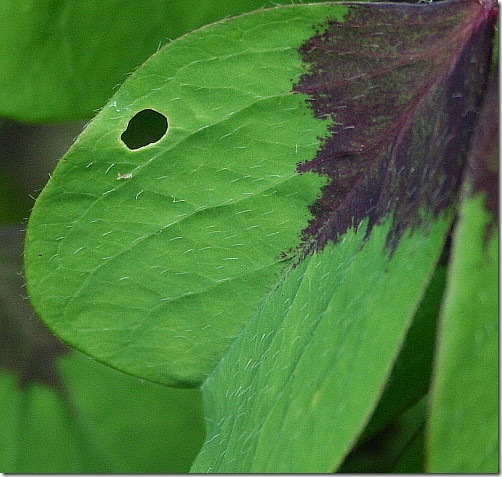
106	422
410	378
152	259
60	60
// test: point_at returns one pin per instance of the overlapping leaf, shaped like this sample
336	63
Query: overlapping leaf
303	378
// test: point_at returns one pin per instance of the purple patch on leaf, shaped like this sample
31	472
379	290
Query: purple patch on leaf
401	86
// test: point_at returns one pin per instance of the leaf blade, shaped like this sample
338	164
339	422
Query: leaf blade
300	382
120	269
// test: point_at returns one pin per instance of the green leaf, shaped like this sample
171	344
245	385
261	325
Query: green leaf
410	377
463	427
60	59
301	381
412	458
157	272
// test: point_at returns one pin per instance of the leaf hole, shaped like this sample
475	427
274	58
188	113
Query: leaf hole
144	128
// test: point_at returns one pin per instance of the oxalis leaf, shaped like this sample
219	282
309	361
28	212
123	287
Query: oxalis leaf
157	272
152	258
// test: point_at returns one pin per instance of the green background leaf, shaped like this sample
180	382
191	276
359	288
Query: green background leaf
463	427
105	422
62	60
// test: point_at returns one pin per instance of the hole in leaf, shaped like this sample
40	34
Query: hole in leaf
146	127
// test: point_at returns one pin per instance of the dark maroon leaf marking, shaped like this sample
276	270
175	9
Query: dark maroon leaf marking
401	85
484	153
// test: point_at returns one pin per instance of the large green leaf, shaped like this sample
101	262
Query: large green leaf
301	381
157	272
